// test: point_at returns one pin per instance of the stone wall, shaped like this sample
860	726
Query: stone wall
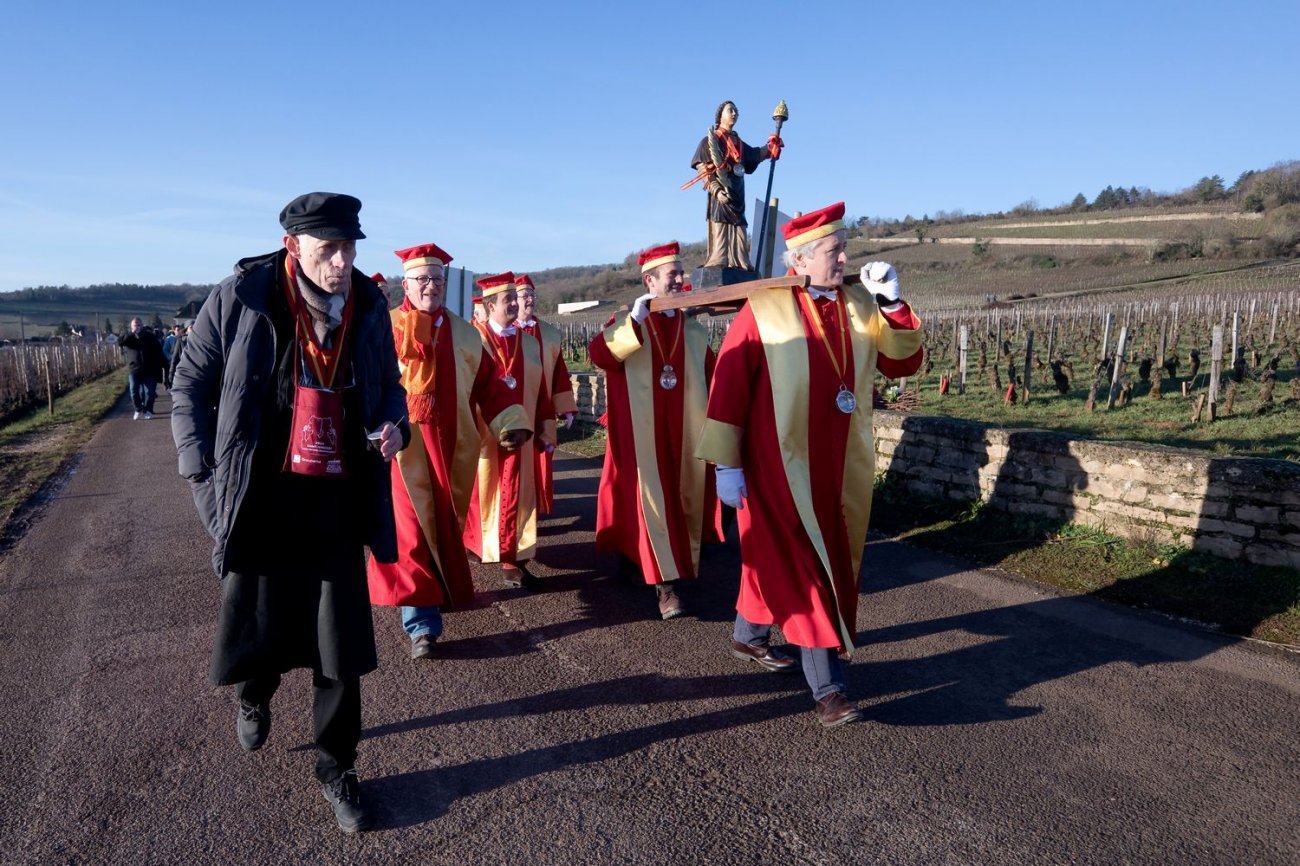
589	391
1235	507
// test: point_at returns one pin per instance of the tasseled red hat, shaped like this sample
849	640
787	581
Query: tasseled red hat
656	256
424	254
813	226
495	284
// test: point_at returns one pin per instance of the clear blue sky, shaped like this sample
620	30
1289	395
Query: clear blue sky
156	142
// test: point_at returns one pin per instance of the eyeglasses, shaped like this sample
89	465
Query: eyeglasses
425	280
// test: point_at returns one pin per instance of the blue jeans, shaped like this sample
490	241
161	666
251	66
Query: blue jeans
422	620
821	666
143	391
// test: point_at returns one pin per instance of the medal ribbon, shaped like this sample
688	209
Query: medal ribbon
505	363
654	335
841	318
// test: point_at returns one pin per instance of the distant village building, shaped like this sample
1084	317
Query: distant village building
187	314
575	306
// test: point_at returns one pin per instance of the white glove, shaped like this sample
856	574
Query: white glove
881	280
731	486
641	308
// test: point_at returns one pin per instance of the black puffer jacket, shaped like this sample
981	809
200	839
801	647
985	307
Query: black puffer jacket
223	382
143	353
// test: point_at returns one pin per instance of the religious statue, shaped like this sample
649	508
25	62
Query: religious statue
722	160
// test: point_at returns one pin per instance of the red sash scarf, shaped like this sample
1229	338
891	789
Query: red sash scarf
316	442
325	363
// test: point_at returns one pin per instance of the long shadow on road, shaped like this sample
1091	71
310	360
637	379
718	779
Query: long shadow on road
420	796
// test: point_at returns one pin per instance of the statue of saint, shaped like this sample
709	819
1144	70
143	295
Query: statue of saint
726	160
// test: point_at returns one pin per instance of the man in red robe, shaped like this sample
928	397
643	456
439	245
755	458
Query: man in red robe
556	374
656	501
789	428
502	522
449	377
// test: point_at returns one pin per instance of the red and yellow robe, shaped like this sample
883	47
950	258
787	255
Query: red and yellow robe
657	502
556	374
502	521
809	467
450	379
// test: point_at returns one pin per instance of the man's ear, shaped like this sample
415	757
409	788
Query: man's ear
291	244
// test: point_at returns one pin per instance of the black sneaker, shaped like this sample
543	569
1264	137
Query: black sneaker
253	725
519	577
344	794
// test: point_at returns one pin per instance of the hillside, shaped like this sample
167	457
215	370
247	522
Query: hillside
1243	236
1211	236
45	307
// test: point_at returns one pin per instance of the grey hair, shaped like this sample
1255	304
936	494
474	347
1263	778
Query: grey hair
806	250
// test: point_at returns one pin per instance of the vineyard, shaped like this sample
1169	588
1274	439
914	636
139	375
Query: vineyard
34	374
1215	370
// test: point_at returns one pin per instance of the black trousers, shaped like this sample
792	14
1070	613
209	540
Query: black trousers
336	708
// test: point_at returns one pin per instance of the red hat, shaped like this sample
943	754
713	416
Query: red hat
813	226
656	256
379	278
424	254
522	280
496	283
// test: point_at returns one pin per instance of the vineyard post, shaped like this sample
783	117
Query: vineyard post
1272	328
1029	358
1120	347
1236	327
49	386
964	344
1051	338
1162	349
1105	338
1216	362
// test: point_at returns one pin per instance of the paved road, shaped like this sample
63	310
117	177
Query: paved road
1005	725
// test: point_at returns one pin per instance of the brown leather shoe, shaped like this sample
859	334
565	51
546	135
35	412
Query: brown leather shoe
835	710
770	659
422	646
670	605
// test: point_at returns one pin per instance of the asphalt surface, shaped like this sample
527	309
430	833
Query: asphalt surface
1004	724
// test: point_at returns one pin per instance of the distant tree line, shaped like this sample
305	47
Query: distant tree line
168	294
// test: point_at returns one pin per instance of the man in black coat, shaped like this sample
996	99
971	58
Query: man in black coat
287	406
144	367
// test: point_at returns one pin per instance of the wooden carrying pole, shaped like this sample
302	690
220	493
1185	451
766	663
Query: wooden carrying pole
726	299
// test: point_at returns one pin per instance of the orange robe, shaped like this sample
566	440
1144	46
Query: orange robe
809	468
502	520
656	502
449	377
556	374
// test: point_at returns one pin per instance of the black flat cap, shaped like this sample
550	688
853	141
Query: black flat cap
328	215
